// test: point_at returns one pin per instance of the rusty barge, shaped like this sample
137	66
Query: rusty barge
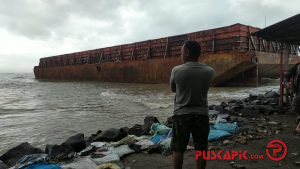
236	55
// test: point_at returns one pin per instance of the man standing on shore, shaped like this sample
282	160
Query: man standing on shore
294	73
190	81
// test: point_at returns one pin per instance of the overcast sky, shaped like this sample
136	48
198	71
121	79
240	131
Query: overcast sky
31	29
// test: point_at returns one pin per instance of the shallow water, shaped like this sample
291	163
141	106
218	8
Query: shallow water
43	112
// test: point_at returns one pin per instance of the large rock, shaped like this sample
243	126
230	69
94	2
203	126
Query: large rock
3	165
249	111
148	121
271	94
60	152
76	142
137	130
110	135
271	101
265	109
169	122
93	136
14	154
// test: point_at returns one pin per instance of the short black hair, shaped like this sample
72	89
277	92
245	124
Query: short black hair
193	47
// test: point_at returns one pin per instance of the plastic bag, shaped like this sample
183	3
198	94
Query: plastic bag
31	159
158	128
228	127
81	163
108	166
216	134
121	150
43	166
157	138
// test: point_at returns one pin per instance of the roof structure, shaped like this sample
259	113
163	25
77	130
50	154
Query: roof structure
286	31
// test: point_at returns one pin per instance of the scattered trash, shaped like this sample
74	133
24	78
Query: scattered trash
297	163
28	160
237	166
98	144
14	154
43	166
228	127
108	166
80	163
217	134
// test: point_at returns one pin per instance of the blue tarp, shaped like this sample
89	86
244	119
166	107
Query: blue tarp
43	166
220	130
228	127
216	134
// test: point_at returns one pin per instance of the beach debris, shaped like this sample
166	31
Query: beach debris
43	166
80	163
108	166
28	160
297	163
237	166
241	139
156	148
14	154
87	151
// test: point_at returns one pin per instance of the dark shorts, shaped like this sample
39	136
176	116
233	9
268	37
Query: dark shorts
183	126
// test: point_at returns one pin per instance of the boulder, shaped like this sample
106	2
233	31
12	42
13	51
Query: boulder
232	101
3	165
93	136
271	94
14	154
249	111
219	108
169	121
211	107
253	97
235	107
59	152
223	104
137	130
110	135
76	142
148	121
265	109
255	102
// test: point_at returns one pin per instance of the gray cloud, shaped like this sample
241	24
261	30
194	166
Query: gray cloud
60	26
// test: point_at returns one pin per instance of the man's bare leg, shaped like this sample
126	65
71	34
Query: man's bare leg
177	160
200	163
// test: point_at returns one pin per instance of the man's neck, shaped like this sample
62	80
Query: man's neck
191	61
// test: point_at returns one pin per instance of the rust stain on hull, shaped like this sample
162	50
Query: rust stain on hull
144	71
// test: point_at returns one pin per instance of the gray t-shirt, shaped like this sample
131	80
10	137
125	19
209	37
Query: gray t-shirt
191	82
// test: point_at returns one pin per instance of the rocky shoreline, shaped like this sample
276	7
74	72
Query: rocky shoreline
108	148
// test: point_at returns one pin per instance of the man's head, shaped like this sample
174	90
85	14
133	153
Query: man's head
190	51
